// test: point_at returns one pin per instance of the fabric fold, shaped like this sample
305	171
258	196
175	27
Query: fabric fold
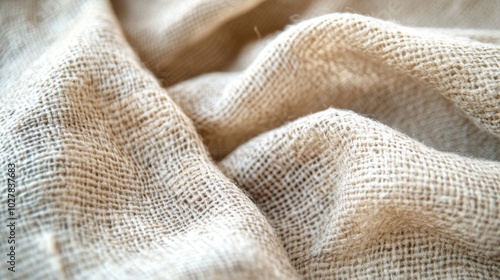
358	63
350	196
112	179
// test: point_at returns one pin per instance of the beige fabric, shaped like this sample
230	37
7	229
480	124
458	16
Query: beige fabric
252	139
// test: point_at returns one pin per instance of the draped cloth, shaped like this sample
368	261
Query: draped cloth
251	139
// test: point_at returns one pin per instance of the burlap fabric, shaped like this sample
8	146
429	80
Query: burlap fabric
226	139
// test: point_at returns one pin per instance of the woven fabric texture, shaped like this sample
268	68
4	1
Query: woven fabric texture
250	139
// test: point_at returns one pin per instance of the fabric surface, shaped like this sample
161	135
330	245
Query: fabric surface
251	139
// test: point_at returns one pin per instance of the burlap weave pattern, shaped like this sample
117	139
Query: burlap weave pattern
223	139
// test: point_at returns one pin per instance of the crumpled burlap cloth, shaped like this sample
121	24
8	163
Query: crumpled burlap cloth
251	139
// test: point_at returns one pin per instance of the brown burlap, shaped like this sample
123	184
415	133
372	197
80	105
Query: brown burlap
224	139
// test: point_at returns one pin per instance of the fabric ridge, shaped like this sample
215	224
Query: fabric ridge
221	139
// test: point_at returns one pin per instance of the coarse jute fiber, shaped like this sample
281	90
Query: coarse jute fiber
250	139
